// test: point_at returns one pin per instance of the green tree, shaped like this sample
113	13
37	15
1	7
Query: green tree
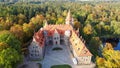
116	27
9	58
3	46
94	44
10	39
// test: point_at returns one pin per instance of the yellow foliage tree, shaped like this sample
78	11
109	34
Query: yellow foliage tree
88	29
111	58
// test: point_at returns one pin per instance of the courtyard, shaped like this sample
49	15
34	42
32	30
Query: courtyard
56	57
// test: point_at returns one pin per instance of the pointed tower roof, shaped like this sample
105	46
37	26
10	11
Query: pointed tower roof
46	23
69	17
55	31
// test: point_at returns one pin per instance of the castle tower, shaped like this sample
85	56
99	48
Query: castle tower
46	23
69	19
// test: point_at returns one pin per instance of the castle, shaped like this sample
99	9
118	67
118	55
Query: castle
57	35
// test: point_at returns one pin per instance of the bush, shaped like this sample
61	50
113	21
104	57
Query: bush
61	66
57	48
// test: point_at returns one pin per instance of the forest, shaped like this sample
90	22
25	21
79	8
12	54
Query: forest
19	21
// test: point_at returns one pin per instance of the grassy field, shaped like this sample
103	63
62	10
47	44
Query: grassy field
61	66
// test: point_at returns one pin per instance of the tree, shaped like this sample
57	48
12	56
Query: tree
110	59
108	46
77	25
17	30
88	30
60	20
3	46
8	38
116	27
21	19
28	30
94	44
9	58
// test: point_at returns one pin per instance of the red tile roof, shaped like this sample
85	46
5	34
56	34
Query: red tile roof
58	27
39	37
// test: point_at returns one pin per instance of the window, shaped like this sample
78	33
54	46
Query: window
32	51
73	39
85	51
31	54
76	44
78	48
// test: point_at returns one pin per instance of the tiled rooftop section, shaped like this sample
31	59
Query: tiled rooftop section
58	27
78	45
39	37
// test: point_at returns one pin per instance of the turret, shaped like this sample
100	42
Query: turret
46	23
69	19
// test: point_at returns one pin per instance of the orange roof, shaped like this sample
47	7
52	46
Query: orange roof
58	27
78	45
50	33
39	37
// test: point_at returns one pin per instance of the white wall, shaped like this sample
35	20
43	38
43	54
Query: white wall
84	60
56	38
35	51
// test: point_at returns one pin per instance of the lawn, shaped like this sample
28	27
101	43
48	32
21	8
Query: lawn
57	48
61	66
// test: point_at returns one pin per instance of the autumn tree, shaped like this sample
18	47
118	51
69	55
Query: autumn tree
28	30
60	20
3	46
88	30
77	25
17	30
110	59
21	19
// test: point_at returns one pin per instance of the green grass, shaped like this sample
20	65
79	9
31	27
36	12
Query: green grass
61	66
57	48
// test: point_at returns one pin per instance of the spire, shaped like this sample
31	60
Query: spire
69	19
46	23
68	16
55	31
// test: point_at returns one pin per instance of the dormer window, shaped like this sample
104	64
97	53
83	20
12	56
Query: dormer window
76	44
78	48
85	51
